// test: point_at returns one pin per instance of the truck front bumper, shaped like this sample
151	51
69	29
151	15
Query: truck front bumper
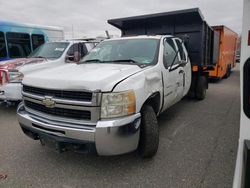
11	92
110	137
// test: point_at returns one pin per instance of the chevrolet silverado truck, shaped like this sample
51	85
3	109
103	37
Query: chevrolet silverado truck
109	102
51	54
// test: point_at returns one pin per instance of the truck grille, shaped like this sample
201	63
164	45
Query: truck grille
69	95
61	112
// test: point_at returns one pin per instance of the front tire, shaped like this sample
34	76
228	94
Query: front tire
149	133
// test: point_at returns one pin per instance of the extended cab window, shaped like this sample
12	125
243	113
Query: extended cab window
181	50
18	44
137	51
169	53
3	52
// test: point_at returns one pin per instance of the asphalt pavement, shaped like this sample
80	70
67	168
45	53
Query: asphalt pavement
198	146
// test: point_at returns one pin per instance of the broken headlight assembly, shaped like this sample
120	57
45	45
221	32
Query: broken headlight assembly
118	104
15	76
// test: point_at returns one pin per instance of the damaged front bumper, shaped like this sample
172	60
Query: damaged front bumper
109	137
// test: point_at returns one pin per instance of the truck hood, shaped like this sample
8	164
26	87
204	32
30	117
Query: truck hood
47	64
19	62
81	76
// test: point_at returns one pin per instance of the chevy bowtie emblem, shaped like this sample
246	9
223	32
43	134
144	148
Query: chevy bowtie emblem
48	102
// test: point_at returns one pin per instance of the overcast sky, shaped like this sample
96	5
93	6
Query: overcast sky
89	17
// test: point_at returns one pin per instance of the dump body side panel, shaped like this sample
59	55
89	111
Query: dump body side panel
188	24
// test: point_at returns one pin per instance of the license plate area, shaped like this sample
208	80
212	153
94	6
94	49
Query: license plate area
53	144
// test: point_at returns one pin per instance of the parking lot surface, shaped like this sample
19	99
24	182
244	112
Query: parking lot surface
198	145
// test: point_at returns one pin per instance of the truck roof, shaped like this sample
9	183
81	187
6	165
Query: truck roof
142	37
72	41
223	27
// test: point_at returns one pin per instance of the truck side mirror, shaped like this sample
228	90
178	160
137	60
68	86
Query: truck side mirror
182	63
69	58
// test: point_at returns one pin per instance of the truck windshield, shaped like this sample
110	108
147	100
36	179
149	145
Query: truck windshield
51	50
138	51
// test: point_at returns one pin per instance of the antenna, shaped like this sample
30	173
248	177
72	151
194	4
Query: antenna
107	34
72	31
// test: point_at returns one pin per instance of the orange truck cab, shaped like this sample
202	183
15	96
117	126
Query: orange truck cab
227	52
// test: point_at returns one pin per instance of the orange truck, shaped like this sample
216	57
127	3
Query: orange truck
227	53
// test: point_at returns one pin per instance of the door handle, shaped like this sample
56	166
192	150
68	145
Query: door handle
181	72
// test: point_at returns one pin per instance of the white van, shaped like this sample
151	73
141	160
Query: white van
242	170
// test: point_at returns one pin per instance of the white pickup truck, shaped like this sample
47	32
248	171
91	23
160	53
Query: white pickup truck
109	102
51	54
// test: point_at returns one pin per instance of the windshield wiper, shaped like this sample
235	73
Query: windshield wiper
124	60
40	57
93	60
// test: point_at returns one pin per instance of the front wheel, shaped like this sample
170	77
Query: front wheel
149	133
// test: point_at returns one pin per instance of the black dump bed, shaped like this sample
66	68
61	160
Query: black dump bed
202	41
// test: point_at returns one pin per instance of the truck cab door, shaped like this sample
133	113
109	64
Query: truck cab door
170	73
185	66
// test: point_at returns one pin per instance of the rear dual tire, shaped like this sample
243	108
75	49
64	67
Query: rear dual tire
228	73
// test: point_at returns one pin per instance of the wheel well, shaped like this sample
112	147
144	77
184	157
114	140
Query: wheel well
154	101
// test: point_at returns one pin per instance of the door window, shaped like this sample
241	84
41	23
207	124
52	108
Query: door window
77	48
181	50
169	53
77	51
84	49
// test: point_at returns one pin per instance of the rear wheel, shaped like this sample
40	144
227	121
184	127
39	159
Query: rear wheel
228	73
201	88
149	133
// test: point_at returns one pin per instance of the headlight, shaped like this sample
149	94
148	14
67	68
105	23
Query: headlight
15	76
118	104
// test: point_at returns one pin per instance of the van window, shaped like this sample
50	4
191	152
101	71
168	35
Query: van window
3	52
169	53
37	40
18	44
246	88
181	50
